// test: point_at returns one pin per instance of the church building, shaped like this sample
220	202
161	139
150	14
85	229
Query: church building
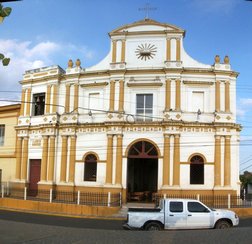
147	119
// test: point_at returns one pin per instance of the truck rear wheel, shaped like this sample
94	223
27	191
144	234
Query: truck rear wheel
222	224
153	226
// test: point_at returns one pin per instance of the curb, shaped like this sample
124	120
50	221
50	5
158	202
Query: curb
64	215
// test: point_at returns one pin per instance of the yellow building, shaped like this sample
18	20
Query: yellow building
8	120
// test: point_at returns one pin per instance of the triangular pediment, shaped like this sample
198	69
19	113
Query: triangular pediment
146	25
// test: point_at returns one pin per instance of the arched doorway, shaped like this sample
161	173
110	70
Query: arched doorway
142	171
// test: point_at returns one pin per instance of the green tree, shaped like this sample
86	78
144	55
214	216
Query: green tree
246	179
4	12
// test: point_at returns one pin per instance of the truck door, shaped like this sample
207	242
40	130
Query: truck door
199	216
175	215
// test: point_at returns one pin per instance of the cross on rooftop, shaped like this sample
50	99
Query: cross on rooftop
147	8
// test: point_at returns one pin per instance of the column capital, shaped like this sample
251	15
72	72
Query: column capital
176	135
228	137
73	136
166	135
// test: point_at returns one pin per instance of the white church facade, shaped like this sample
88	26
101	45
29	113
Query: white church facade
147	119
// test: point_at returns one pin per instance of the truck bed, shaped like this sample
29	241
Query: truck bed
144	210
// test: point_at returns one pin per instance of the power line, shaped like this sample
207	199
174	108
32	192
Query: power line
100	110
247	166
87	97
245	159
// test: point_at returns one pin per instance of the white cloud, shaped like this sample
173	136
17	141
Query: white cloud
223	6
26	55
240	112
246	101
23	56
43	49
79	51
243	109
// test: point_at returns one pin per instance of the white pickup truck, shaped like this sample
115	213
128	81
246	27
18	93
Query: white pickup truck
180	214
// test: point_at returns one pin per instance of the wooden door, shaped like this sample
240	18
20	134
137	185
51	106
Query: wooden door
35	166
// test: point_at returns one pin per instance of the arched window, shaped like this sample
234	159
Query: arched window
90	168
143	149
197	170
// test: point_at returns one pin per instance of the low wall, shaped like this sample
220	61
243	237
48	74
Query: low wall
58	208
79	210
243	212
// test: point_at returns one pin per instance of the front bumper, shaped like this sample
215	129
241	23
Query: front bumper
236	222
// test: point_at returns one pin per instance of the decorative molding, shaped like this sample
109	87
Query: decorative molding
40	74
94	84
7	155
206	83
36	142
144	84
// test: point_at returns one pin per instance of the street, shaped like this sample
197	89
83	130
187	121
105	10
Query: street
16	227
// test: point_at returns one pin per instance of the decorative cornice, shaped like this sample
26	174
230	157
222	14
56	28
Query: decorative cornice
57	77
10	108
139	33
168	28
108	73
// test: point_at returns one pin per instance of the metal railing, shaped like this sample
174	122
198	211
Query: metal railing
114	199
216	201
69	197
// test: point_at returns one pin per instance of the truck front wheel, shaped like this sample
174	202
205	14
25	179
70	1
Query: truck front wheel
222	224
153	226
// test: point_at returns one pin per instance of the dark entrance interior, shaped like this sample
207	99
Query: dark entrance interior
197	170
142	172
35	166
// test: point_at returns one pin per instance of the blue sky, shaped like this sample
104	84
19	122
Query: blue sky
40	33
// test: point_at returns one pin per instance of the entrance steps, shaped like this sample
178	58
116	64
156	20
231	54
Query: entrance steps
122	213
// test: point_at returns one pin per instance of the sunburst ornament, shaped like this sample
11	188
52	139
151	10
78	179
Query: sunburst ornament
146	51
